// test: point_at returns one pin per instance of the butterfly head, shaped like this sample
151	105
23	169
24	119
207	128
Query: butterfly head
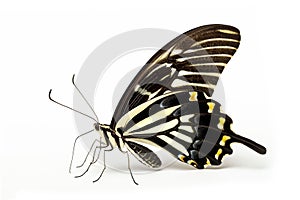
97	126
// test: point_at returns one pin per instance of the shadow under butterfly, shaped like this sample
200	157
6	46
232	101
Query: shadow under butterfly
168	105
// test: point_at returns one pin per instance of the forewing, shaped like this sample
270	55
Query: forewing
191	62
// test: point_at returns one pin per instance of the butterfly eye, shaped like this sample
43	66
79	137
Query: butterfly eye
97	127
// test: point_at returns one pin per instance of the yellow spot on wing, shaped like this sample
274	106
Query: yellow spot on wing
218	153
221	123
211	106
207	163
192	162
224	139
193	96
181	157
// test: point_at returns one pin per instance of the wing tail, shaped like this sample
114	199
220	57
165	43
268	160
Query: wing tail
249	143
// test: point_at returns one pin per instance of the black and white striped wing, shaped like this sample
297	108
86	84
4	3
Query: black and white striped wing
191	62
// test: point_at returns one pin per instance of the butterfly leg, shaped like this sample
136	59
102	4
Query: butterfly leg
106	150
74	147
85	159
98	155
92	162
128	163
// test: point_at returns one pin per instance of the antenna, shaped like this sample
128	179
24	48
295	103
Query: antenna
70	107
84	97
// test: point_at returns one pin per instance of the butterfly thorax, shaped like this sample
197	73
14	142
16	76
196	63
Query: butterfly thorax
109	136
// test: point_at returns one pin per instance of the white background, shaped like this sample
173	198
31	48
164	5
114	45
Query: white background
42	44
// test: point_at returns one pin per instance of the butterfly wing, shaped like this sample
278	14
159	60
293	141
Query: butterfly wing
193	61
168	103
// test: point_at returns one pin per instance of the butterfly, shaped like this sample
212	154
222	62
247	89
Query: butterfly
169	104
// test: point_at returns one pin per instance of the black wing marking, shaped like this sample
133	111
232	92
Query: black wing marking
192	62
144	155
189	127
